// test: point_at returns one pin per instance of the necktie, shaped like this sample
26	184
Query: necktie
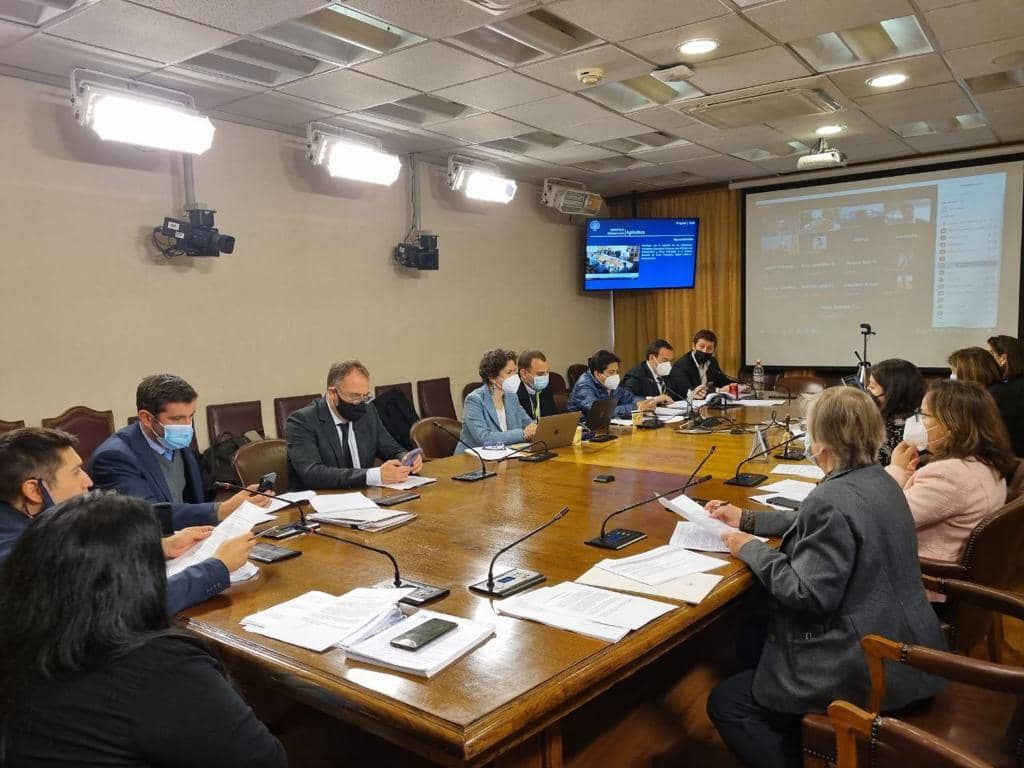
346	454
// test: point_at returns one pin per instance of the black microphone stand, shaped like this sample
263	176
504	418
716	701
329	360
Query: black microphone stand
748	479
476	474
517	579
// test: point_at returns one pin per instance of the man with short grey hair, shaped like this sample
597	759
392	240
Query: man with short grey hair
334	441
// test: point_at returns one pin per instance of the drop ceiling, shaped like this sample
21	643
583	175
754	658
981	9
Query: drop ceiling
499	80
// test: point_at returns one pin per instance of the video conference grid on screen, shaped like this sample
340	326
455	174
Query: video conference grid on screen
632	254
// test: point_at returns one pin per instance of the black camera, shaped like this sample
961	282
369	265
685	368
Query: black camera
197	236
422	254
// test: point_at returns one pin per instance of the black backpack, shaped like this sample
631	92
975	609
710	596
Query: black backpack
215	463
397	415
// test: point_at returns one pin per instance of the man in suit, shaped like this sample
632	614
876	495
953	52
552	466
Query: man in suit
153	459
40	467
333	442
698	373
649	378
534	393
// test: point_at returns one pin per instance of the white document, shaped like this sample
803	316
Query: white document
800	470
413	481
689	589
493	453
330	504
760	402
290	609
357	517
661	564
692	536
689	509
286	498
797	490
763	499
622	422
238	522
431	658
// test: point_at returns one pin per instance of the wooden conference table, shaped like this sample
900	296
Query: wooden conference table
510	701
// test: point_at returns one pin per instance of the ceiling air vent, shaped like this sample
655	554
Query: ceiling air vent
763	108
34	12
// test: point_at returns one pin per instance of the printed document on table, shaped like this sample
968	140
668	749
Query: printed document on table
290	609
760	402
797	490
285	498
333	503
689	509
688	589
413	481
238	522
800	470
492	454
661	564
692	536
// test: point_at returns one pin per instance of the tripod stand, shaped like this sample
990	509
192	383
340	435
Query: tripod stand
863	366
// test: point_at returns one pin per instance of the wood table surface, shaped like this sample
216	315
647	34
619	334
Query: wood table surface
528	676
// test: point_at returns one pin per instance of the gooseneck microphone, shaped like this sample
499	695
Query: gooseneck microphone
277	532
476	474
623	537
749	479
518	579
529	456
788	454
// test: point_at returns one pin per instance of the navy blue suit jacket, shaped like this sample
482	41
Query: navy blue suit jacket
126	463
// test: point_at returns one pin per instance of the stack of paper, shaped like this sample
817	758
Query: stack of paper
286	498
692	536
587	610
413	481
318	621
354	510
800	470
689	509
428	660
688	589
238	522
797	490
661	565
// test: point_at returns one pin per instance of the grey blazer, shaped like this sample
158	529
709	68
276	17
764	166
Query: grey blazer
315	456
847	567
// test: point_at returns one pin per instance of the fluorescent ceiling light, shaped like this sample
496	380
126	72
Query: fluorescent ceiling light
479	181
144	121
355	159
887	81
698	46
830	130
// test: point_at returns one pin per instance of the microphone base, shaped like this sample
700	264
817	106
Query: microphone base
788	455
746	479
476	474
536	458
508	583
285	531
620	538
603	438
424	592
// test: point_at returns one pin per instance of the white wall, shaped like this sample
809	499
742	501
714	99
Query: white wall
89	308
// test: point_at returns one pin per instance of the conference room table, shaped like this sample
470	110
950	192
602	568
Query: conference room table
531	695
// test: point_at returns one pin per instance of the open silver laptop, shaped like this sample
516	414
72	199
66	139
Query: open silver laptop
555	431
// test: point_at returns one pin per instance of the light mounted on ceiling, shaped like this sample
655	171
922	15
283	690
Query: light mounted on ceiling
479	181
698	46
350	155
144	115
887	81
830	130
570	197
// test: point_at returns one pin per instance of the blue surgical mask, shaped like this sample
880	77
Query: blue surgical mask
540	382
176	436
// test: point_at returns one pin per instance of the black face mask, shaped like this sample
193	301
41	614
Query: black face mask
350	411
701	357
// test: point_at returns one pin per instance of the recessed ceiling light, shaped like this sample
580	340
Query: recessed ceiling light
888	81
698	46
830	130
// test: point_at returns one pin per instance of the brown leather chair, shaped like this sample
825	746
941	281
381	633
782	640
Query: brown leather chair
800	385
236	418
561	401
10	426
89	426
872	741
979	711
405	386
473	385
254	460
575	371
435	443
286	406
556	383
435	397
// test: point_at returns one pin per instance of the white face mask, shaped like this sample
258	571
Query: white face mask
612	382
511	385
915	433
663	369
952	376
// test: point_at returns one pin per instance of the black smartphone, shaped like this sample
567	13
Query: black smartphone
782	501
398	498
425	633
271	553
267	482
604	479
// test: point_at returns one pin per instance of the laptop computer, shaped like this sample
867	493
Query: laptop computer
600	418
556	431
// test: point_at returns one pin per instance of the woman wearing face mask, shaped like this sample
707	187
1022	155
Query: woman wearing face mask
600	382
965	479
897	386
1008	353
847	567
492	414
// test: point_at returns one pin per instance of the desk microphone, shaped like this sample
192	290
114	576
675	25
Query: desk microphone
476	474
518	579
530	457
748	479
623	537
788	454
277	532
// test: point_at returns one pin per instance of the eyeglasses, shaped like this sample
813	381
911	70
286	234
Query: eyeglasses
353	397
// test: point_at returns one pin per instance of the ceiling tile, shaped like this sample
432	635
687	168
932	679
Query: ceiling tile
499	91
617	65
720	167
624	19
734	139
1003	102
789	20
120	26
931	5
56	56
347	89
443	18
748	69
279	109
803	128
942	100
662	118
978	59
733	33
937	142
241	16
920	71
207	90
611	127
977	22
557	112
577	153
429	66
675	153
480	128
10	32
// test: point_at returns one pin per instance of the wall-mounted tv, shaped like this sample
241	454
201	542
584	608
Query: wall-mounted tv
640	254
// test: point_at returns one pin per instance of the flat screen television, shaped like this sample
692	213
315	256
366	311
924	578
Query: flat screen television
640	254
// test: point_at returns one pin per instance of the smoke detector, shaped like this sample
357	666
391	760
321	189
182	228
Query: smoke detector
590	75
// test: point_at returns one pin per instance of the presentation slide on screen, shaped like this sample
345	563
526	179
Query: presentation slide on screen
630	254
932	261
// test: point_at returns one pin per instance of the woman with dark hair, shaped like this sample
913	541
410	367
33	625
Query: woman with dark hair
898	387
492	414
974	365
1008	353
965	479
90	672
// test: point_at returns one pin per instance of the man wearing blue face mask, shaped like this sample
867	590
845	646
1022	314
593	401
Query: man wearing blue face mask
153	459
534	393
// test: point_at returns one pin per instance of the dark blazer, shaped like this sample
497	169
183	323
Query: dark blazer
315	455
685	375
13	523
125	462
641	382
1009	396
529	402
847	567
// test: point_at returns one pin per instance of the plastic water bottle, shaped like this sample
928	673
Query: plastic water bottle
758	379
